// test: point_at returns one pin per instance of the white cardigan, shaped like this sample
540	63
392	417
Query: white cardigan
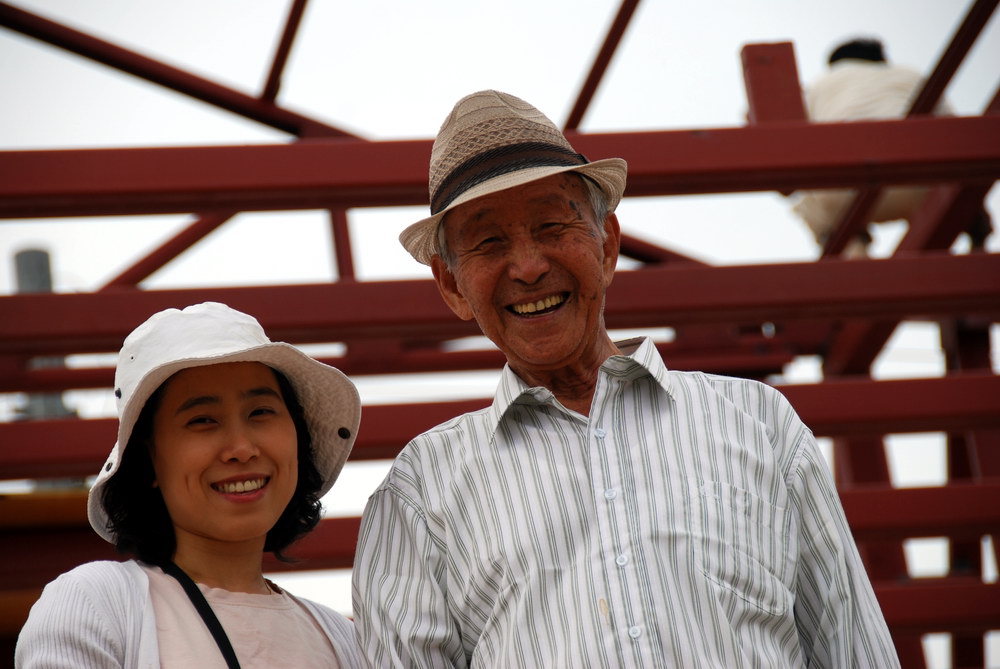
100	616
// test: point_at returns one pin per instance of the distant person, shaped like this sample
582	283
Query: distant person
862	85
226	442
604	511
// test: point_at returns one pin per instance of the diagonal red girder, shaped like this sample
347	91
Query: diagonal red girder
256	109
601	62
273	83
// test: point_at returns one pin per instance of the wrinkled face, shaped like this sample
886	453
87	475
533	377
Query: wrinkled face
529	264
225	452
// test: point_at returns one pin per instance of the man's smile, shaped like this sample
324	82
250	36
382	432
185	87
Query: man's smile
538	307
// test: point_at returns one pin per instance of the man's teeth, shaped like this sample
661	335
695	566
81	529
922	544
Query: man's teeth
240	486
532	307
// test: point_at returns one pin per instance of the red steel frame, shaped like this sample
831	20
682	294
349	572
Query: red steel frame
841	310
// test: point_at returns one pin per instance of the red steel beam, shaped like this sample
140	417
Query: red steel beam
939	605
771	78
966	510
340	233
273	84
327	174
929	285
861	406
73	447
749	359
330	546
943	215
82	44
975	20
614	36
168	250
43	554
32	558
653	254
853	221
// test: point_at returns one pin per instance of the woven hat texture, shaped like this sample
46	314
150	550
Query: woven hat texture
492	141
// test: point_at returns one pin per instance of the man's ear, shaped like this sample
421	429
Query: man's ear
448	288
612	242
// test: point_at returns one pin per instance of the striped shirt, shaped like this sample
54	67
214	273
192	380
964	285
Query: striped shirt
689	521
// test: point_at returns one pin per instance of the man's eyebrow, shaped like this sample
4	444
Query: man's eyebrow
553	199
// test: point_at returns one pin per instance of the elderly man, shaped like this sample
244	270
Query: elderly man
604	511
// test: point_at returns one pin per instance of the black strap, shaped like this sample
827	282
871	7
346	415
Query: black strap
206	613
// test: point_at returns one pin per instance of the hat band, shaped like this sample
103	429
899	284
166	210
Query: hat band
499	161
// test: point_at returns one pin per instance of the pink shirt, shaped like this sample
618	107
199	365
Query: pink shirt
266	631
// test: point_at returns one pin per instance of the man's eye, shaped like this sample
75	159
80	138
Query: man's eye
487	242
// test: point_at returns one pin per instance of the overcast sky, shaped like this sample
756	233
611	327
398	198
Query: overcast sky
392	70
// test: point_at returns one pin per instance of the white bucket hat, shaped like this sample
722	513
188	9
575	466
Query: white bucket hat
209	334
493	141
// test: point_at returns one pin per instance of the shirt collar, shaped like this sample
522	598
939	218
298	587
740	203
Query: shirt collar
639	357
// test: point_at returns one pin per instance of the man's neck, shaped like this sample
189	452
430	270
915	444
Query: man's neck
574	384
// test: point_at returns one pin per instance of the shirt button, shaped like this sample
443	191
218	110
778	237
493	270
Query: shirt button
600	433
610	493
634	632
621	560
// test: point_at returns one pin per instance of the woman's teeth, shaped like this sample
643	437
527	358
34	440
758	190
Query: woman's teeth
240	486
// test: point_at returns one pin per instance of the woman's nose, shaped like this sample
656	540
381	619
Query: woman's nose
240	446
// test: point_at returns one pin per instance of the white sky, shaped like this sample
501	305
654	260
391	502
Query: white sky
392	70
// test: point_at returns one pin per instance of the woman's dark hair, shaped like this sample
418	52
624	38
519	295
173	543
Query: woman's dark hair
139	519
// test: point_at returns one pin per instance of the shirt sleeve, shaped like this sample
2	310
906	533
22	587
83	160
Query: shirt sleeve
400	589
838	618
68	628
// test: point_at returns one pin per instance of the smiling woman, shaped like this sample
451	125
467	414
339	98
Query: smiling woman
226	443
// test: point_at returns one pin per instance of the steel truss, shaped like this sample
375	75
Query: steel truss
841	310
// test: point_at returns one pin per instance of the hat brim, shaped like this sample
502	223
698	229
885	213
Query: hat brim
329	401
421	239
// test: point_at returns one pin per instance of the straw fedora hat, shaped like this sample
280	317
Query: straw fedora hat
492	141
210	334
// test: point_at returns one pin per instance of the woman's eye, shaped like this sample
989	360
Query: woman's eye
201	420
262	411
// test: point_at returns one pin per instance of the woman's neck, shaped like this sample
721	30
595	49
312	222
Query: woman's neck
233	567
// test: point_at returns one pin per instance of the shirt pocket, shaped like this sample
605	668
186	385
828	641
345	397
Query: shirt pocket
741	544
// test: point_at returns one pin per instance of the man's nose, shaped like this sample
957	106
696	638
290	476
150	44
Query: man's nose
526	261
